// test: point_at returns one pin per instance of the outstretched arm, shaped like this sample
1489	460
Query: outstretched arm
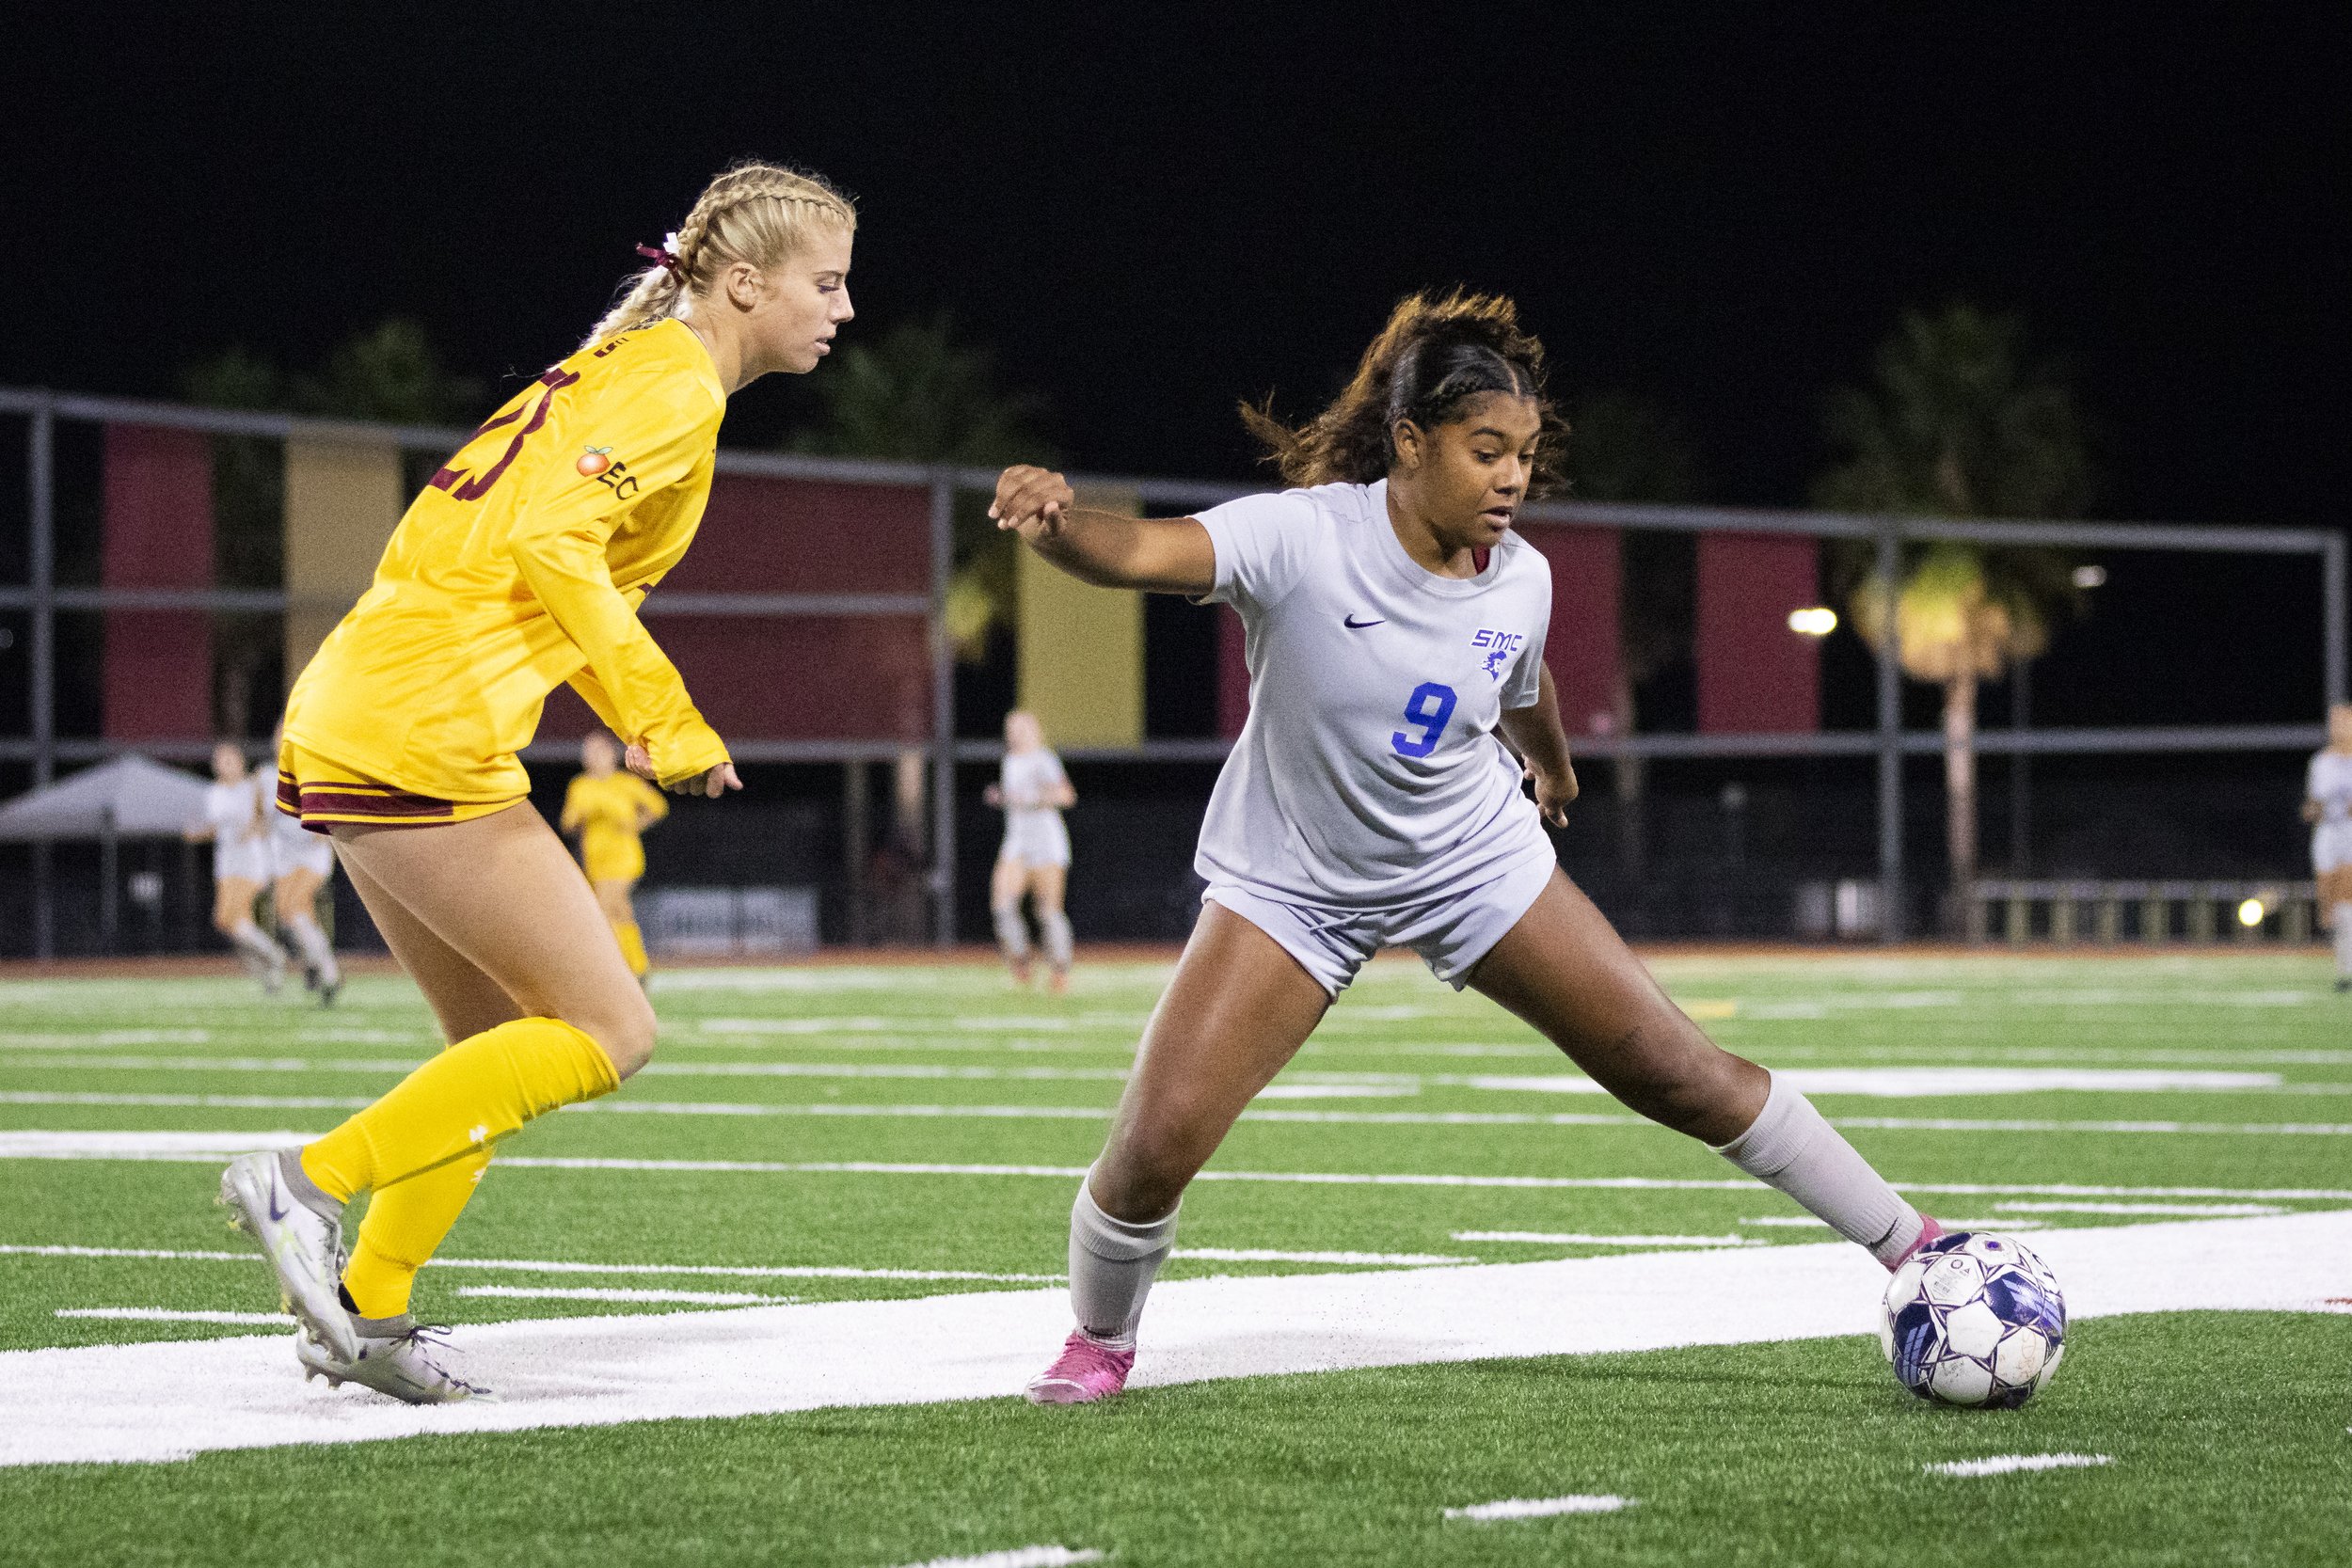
1542	742
1158	555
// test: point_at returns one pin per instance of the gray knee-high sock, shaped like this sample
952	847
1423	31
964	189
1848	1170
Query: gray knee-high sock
2343	939
1790	1147
316	950
1056	926
1112	1264
255	945
1013	932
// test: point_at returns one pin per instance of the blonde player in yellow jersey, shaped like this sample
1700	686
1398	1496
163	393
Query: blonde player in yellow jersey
521	566
609	810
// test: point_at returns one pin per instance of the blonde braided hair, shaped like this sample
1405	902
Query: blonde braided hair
756	213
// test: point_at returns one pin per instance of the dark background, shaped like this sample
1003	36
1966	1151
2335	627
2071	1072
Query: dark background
1149	212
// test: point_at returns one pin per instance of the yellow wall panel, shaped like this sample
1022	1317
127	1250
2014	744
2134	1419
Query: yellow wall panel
343	501
1081	648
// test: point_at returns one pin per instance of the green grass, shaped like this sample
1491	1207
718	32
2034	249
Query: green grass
2228	1429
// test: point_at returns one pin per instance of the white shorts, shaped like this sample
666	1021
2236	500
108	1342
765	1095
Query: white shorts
1039	841
245	862
1450	934
309	851
2331	847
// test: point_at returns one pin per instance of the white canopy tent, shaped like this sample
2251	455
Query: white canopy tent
127	798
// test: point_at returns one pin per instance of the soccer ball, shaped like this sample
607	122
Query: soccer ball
1974	1318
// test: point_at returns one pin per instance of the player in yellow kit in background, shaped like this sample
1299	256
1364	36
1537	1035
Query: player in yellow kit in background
521	566
608	811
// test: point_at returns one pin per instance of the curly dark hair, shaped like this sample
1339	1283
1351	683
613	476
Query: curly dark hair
1436	353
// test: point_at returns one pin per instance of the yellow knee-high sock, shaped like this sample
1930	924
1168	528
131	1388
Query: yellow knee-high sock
466	1099
404	1228
632	946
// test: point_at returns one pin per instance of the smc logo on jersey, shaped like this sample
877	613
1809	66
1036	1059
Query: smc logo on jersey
1500	646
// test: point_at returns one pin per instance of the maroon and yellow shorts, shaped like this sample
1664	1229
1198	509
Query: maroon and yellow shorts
320	794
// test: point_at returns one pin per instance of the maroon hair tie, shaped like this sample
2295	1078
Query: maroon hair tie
664	257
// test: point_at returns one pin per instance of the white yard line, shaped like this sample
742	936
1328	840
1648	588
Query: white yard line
1571	1238
2008	1464
176	1315
1101	1113
2182	1210
202	1148
542	1265
1016	1557
1540	1508
1268	1254
166	1401
600	1292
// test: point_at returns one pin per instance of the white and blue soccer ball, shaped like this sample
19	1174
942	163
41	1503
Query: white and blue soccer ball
1974	1318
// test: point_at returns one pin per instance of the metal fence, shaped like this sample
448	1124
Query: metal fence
42	599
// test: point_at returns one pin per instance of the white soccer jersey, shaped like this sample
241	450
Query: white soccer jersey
240	833
293	847
2329	783
1369	774
1034	834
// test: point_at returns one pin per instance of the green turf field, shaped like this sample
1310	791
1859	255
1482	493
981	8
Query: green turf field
850	1135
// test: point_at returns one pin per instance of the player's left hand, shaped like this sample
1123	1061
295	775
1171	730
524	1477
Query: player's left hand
713	783
1030	499
1555	794
639	760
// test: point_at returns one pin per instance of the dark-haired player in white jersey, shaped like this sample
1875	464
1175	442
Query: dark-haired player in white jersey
1394	625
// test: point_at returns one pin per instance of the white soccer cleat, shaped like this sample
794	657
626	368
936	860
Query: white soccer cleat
304	1247
396	1358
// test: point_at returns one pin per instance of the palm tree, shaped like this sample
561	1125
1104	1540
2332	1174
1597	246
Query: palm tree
918	394
1956	423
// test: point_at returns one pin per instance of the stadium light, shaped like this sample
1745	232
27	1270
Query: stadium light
1813	621
2250	913
2090	576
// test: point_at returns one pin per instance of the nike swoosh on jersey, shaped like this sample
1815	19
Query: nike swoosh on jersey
1352	623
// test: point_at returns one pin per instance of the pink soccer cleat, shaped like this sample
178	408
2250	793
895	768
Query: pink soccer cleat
1929	1230
1088	1370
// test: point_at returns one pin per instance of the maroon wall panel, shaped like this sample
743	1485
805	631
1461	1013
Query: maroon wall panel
803	536
1755	675
1232	674
158	534
1582	649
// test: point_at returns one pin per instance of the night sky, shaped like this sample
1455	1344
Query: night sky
1149	212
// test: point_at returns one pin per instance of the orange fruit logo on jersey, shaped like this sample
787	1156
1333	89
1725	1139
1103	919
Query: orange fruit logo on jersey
594	461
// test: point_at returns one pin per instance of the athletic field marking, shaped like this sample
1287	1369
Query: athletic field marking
2002	1464
14	1040
1541	1508
1015	1557
159	1400
1887	1083
1267	1255
525	1265
176	1315
202	1148
599	1292
2208	1210
1099	1113
1563	1238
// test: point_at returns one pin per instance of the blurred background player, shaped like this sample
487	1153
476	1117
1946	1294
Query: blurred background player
239	831
1032	791
302	862
608	812
1395	627
2327	807
521	566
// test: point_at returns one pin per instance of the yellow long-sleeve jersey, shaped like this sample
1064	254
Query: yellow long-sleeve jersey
521	566
610	815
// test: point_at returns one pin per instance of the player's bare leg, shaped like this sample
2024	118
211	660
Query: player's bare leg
1006	883
232	916
1236	1011
1564	968
2335	917
1046	886
296	895
614	896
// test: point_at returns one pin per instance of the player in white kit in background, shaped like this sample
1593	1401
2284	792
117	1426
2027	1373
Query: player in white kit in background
303	863
236	820
1394	625
1032	791
2327	807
